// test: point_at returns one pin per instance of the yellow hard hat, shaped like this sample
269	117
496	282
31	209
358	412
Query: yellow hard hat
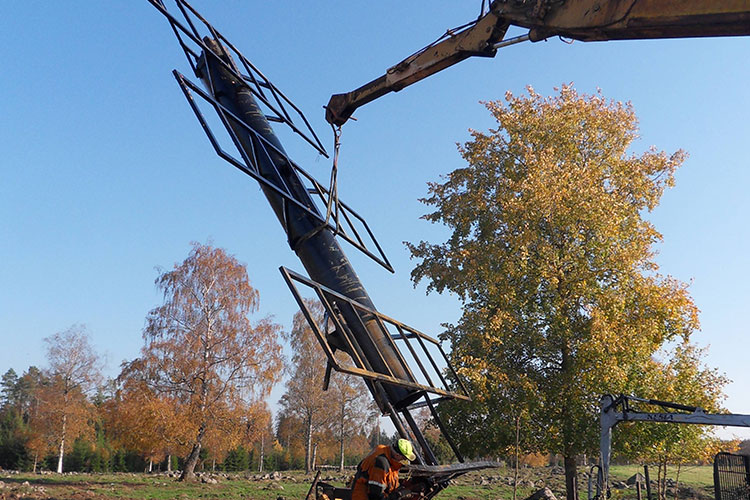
404	447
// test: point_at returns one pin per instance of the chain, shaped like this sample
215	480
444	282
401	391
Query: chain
332	207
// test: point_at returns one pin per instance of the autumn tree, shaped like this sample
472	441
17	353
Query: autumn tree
259	432
237	430
290	444
27	396
553	260
304	397
201	349
64	412
141	420
682	378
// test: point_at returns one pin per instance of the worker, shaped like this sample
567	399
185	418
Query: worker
377	473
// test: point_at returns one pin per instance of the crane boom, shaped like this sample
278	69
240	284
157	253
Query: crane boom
584	20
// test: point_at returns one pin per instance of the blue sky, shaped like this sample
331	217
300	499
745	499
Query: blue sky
107	175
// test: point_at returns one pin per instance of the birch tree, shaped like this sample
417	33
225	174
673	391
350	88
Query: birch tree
74	370
304	397
201	348
352	408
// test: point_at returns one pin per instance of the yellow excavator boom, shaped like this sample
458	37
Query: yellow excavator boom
585	20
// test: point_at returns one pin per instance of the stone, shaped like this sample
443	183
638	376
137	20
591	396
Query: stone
542	494
636	478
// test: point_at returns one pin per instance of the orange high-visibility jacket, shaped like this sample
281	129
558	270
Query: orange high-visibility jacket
377	475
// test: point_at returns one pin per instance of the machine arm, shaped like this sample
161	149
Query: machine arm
585	20
476	39
597	20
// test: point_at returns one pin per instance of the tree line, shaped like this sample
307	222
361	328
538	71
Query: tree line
196	395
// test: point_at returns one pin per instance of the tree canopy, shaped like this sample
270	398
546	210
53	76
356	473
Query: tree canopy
553	260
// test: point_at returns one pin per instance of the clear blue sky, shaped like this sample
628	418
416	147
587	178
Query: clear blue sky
106	174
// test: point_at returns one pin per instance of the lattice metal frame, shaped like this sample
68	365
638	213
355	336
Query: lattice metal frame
282	109
406	333
349	225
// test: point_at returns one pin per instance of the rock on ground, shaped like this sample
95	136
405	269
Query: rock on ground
543	494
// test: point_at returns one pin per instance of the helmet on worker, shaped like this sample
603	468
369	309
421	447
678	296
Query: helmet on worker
404	448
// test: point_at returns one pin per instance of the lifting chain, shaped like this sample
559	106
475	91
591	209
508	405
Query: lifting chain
332	207
332	204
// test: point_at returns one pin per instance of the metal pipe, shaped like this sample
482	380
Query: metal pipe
511	41
316	247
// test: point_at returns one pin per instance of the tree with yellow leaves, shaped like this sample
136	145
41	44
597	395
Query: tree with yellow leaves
203	352
553	261
141	420
683	379
64	412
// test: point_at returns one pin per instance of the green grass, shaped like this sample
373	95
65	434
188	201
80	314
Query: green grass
156	487
693	475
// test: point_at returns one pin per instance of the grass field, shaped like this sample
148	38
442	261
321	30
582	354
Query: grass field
489	485
693	475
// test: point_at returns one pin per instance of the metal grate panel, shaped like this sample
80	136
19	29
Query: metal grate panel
732	476
347	224
416	342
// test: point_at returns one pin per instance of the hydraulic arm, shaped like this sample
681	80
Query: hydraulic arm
584	20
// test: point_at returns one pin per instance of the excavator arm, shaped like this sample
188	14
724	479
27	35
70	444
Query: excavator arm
584	20
475	39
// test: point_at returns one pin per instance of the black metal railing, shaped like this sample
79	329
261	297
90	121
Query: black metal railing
732	476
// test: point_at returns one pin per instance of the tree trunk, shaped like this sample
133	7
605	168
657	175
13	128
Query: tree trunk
661	482
308	445
314	455
571	477
36	459
62	445
169	463
189	472
341	445
213	465
262	441
677	481
515	472
150	465
568	434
